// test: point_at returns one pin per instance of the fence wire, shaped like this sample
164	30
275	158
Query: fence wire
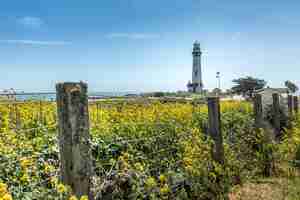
108	169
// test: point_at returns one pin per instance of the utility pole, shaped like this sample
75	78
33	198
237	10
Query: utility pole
218	76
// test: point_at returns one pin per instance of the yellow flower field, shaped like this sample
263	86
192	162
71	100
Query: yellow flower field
141	149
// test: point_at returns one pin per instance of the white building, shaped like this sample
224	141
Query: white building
196	85
267	98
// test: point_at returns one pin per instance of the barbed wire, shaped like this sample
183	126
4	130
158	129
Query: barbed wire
56	174
151	137
97	124
13	162
171	149
18	160
158	152
31	170
33	129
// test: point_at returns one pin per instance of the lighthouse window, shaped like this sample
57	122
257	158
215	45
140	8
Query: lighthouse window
196	72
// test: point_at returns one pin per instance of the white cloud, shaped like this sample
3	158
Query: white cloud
36	42
31	22
133	35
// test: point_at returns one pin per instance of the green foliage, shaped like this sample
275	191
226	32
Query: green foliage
144	151
291	86
247	85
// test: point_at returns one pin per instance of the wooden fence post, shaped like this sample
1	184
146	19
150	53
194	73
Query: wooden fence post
276	113
97	112
40	118
296	104
193	107
290	106
11	116
214	126
74	138
260	122
18	118
258	110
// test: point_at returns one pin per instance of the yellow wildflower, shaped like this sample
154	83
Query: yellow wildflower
84	197
54	181
139	167
7	197
24	178
25	162
187	161
61	188
48	168
162	178
3	189
150	182
164	190
73	197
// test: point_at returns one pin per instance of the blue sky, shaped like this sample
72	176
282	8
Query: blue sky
139	45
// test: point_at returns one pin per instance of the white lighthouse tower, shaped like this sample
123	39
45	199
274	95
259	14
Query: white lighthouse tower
196	85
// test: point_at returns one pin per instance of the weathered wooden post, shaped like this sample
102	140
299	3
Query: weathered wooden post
18	118
214	126
193	107
100	115
11	116
97	112
290	106
74	138
258	111
40	117
260	122
296	105
276	114
119	107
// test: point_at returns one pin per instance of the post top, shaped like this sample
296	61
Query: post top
71	83
71	86
213	98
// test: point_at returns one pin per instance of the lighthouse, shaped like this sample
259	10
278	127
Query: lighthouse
196	85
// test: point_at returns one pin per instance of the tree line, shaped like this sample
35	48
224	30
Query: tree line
247	85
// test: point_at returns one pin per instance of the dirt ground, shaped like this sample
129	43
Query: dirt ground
268	189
